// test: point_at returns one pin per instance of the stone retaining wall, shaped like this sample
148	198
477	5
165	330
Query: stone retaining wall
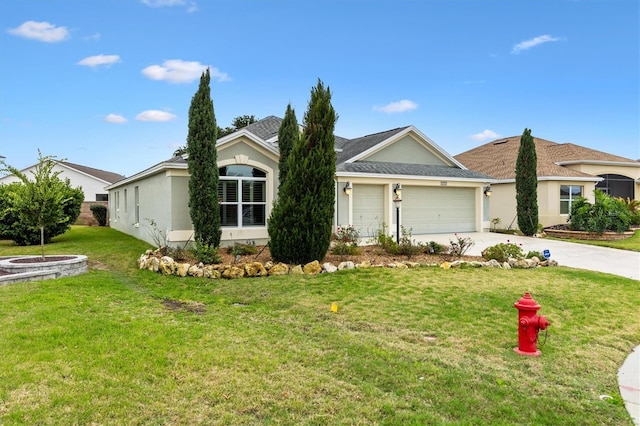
582	235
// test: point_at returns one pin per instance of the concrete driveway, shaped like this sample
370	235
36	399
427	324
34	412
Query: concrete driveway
583	256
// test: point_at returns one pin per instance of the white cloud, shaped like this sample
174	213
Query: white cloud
94	61
528	44
178	71
163	3
94	36
484	135
115	118
397	107
155	115
41	31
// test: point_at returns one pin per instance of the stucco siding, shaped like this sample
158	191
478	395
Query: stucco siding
407	150
90	186
153	194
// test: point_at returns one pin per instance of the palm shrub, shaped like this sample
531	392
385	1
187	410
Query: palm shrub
605	214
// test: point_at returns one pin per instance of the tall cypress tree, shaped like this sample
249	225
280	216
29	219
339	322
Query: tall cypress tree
300	223
288	136
203	167
527	185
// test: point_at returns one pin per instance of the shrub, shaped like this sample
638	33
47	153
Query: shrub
407	246
242	249
634	209
205	253
385	241
537	254
460	245
434	248
24	232
605	214
347	240
99	213
503	251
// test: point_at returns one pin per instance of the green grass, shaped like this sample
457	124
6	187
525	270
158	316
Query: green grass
406	347
632	243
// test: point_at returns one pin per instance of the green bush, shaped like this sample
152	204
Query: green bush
99	213
537	254
205	254
385	241
605	214
407	246
347	240
242	249
434	248
25	233
503	251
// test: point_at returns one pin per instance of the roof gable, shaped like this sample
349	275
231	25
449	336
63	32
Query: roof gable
498	158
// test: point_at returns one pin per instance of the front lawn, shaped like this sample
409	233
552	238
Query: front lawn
419	346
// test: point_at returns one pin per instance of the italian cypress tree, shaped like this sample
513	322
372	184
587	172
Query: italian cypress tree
527	185
203	167
288	136
300	223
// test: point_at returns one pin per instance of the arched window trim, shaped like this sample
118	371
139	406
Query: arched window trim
242	210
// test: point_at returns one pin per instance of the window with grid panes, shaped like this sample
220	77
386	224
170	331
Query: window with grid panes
242	196
568	194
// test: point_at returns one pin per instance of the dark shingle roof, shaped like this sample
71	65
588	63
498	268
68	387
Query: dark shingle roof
353	147
97	173
498	158
265	128
384	168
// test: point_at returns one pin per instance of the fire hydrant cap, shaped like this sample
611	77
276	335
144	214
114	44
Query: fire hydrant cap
526	302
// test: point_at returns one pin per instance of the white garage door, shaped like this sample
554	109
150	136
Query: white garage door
436	210
368	211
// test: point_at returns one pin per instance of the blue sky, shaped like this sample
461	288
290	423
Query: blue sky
108	83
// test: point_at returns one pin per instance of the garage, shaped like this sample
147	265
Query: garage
368	209
437	210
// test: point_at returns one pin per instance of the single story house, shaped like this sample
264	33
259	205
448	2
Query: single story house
93	181
565	171
438	193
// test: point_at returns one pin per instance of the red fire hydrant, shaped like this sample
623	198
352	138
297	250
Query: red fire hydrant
529	324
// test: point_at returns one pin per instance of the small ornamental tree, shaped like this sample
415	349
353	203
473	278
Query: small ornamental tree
288	136
527	185
300	223
203	167
38	209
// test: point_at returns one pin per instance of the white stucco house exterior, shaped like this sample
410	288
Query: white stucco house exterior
439	194
93	181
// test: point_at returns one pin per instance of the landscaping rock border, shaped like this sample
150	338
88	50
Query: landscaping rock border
154	261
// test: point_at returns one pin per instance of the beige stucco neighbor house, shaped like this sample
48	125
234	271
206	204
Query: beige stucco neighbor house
439	194
565	171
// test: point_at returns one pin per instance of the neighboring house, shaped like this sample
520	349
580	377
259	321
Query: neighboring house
92	181
439	195
565	172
